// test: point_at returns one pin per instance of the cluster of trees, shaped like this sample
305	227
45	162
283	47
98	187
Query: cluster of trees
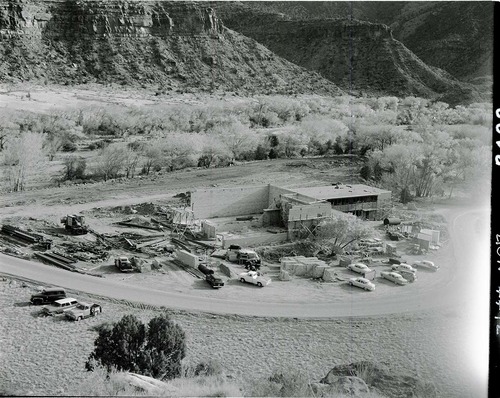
398	137
154	350
339	231
429	161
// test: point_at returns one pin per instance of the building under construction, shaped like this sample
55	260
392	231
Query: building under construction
296	210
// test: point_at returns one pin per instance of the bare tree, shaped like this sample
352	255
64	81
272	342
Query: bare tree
23	158
110	161
342	229
130	161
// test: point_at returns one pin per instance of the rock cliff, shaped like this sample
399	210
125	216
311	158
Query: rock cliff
175	45
456	36
358	56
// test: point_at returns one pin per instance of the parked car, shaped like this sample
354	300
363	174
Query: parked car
59	306
425	264
82	311
363	283
254	277
48	295
213	281
404	267
393	277
359	268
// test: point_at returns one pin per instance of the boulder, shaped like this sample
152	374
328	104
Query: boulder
350	385
147	384
342	385
379	378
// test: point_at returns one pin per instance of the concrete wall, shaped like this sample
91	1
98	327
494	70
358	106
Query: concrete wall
191	260
208	229
227	202
274	195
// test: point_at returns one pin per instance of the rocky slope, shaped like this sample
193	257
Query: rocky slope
360	57
174	45
456	36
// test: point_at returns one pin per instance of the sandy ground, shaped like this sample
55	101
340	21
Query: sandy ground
417	344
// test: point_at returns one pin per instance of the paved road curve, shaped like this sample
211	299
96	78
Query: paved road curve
452	292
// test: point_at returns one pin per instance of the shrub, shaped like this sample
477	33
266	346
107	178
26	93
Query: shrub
280	384
74	168
156	350
68	146
261	153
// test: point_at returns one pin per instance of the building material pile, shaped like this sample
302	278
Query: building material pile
303	266
22	235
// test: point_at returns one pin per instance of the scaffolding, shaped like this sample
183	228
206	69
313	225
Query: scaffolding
183	220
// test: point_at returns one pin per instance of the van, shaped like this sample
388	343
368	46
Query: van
48	295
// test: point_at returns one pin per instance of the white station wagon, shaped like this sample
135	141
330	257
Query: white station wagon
59	306
394	277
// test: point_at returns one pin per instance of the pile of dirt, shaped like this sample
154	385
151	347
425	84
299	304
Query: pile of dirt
299	248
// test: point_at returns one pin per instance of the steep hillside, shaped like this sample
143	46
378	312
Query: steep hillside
359	56
174	45
456	36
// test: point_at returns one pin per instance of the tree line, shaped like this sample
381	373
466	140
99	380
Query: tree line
413	146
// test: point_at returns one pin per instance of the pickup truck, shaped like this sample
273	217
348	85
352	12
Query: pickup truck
216	283
82	311
246	257
255	278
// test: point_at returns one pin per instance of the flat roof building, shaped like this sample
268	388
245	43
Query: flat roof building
299	210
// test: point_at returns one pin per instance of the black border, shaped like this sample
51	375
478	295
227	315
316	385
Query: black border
494	353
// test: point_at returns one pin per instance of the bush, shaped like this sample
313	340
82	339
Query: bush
74	168
68	146
156	350
261	153
282	384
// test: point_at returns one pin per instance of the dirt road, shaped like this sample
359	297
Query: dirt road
457	287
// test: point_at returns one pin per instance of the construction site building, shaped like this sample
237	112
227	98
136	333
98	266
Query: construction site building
297	210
